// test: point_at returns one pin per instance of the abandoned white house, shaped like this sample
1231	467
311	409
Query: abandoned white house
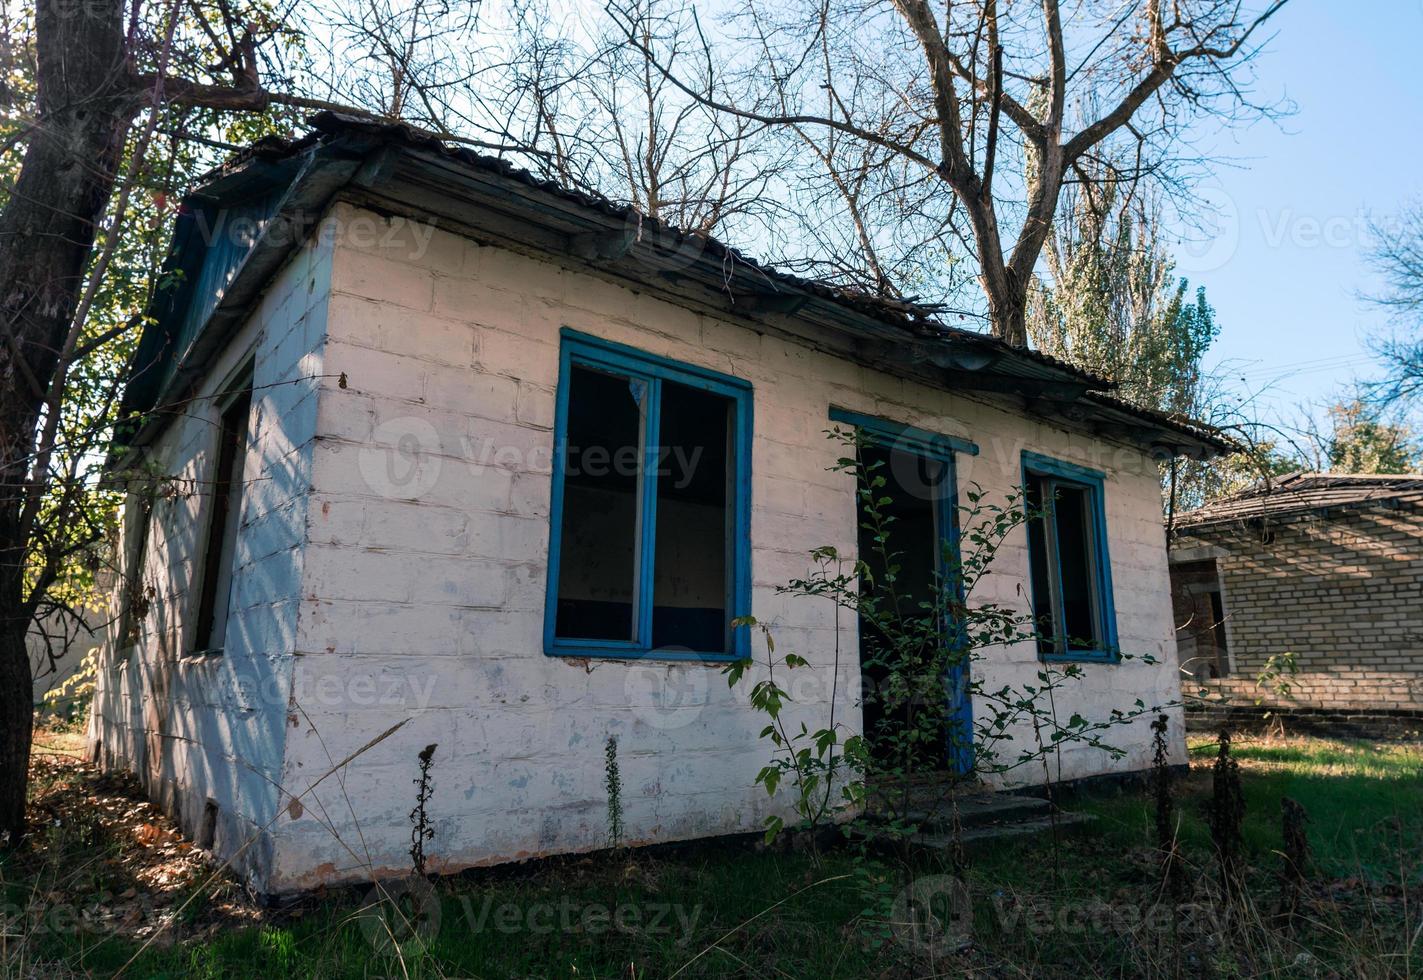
402	409
1323	572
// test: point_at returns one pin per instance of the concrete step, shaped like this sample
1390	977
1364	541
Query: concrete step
976	838
979	810
924	792
984	818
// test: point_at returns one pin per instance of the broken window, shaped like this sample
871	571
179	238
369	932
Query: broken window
1068	565
225	510
650	552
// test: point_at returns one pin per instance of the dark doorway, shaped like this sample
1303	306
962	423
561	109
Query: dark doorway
915	505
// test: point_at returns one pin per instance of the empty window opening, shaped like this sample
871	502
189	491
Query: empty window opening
651	494
207	832
597	575
1066	562
1075	568
1218	631
226	488
1198	602
691	584
138	517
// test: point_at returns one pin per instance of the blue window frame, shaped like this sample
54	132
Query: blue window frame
650	524
935	445
1069	564
937	448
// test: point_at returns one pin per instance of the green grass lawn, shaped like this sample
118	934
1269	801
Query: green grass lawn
1364	803
1363	799
1087	905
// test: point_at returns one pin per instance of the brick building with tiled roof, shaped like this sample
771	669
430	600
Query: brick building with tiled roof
1326	567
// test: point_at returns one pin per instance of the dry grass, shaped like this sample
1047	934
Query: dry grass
104	868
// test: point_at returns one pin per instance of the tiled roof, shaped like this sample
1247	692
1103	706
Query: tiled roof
1305	492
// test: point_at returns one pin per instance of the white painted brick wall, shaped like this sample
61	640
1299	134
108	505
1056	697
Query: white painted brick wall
423	587
421	491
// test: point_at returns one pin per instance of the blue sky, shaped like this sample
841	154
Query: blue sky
1285	271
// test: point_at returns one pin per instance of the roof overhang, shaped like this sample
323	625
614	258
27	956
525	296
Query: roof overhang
397	171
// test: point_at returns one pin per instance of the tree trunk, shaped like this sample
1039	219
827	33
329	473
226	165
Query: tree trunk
16	718
47	231
1007	294
1008	314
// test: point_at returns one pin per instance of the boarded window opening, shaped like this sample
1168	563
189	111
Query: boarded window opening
226	489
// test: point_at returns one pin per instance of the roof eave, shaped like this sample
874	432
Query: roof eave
377	161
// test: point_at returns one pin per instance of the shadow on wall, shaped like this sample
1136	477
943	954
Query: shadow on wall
1337	592
204	730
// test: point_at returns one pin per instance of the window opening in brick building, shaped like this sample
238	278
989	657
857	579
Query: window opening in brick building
225	511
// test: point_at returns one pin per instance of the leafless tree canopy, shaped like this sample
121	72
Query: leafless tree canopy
951	129
1397	255
906	149
600	114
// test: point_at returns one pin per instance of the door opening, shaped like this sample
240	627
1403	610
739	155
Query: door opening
915	718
